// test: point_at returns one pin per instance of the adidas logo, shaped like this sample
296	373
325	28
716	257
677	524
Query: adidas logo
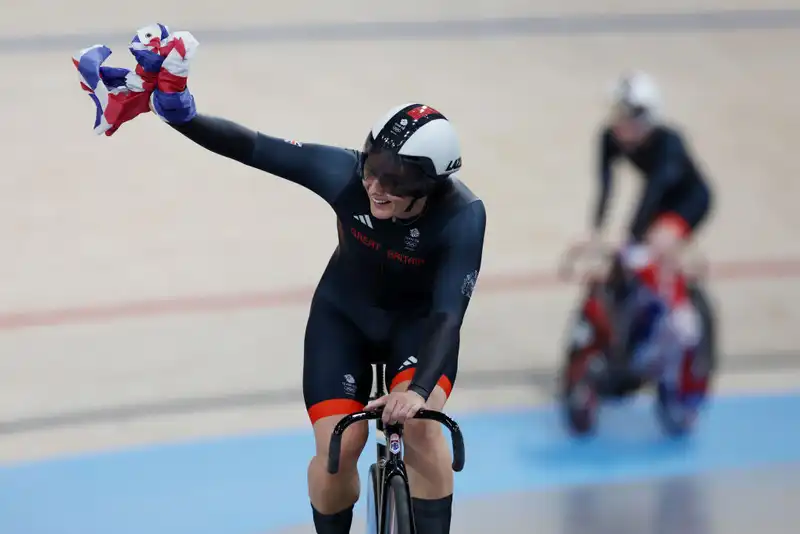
408	363
363	219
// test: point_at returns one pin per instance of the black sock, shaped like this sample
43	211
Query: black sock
338	523
433	516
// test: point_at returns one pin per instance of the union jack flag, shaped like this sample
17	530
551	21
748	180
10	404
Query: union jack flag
120	95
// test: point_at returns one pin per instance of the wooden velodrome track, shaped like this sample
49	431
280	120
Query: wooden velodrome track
152	291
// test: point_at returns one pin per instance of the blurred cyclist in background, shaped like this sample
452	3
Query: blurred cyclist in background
675	202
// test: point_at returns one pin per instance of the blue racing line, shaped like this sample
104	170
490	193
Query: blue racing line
255	484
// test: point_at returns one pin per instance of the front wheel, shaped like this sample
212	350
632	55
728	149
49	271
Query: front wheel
677	419
372	499
397	516
697	374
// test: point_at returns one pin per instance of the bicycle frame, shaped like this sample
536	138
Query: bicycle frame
389	451
619	313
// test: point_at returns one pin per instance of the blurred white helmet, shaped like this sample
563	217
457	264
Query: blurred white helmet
637	95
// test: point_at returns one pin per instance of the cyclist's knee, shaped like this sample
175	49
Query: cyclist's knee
667	237
353	441
423	435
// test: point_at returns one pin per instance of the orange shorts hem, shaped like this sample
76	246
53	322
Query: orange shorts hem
408	374
675	221
331	407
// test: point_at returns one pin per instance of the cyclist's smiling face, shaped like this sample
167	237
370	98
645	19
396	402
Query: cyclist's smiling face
382	204
383	180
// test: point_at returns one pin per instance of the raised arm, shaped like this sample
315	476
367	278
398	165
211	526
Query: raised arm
323	169
326	170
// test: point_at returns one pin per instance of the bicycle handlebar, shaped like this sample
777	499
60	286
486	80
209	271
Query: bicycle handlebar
566	267
335	449
693	262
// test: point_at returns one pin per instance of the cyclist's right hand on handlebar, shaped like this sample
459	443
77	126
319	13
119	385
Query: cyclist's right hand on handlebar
398	406
592	248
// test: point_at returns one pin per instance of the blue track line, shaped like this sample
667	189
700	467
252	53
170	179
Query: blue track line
254	484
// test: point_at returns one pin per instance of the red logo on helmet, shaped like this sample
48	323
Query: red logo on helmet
421	111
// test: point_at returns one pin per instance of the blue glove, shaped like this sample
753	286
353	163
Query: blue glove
171	100
120	94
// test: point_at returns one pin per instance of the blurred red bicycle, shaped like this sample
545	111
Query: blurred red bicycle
604	332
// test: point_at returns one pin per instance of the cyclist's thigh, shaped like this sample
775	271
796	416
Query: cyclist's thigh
687	212
406	340
337	376
695	208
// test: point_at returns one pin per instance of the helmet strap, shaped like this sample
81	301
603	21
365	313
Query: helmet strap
411	204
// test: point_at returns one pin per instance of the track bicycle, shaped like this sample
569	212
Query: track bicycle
389	509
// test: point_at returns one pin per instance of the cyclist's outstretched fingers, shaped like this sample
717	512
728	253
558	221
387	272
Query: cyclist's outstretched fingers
389	409
406	412
375	404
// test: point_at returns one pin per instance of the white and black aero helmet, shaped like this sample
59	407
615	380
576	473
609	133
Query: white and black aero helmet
411	149
636	95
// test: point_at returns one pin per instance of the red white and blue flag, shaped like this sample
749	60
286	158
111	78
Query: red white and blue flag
119	94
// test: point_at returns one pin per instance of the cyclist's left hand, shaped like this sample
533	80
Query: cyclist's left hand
398	406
